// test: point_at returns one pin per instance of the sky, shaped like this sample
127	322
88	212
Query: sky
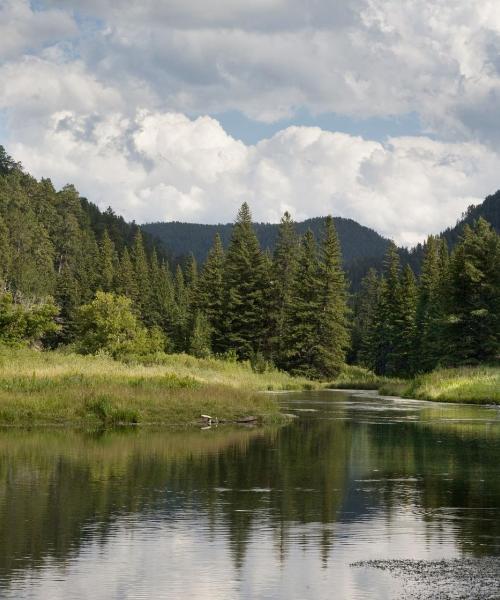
383	111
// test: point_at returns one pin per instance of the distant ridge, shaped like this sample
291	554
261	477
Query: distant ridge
180	239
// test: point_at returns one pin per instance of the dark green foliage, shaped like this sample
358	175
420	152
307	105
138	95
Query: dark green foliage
211	294
244	287
365	311
333	335
450	317
200	345
301	336
108	263
283	269
473	299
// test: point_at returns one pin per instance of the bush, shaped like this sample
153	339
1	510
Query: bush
23	322
109	325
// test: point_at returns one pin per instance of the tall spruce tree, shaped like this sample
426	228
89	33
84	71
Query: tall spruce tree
405	333
211	294
107	263
474	296
141	276
126	283
182	329
244	285
429	315
284	266
385	329
333	334
364	318
301	337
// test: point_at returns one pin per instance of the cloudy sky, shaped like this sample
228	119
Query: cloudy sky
384	111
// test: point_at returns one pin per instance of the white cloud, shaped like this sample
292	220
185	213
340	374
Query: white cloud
21	28
268	58
165	166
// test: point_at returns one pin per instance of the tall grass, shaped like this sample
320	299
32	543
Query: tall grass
479	385
63	388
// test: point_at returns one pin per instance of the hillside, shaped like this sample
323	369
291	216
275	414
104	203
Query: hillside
183	238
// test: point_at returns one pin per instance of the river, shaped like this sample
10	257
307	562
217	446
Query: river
250	513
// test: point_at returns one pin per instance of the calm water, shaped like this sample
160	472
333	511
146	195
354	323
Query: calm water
247	513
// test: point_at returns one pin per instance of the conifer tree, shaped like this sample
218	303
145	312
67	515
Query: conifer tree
126	282
211	294
404	349
200	344
107	263
365	316
302	314
141	276
181	321
283	270
474	296
429	315
333	335
383	338
5	254
244	283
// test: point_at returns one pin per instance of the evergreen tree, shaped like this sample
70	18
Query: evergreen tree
384	335
283	270
5	256
200	345
244	283
303	311
126	284
141	277
333	335
182	329
429	316
107	263
404	350
211	294
473	330
365	317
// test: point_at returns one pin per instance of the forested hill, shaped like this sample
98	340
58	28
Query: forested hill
357	241
51	241
489	210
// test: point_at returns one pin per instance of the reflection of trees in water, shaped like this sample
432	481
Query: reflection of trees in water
455	466
59	490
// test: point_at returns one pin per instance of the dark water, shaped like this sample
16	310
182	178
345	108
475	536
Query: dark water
247	513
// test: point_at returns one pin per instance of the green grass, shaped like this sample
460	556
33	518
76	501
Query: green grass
475	385
480	385
353	377
64	388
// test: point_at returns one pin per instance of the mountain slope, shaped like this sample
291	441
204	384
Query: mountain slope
358	242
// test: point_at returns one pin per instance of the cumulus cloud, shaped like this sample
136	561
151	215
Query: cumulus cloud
22	28
165	166
97	94
360	58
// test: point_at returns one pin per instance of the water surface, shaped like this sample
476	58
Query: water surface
251	513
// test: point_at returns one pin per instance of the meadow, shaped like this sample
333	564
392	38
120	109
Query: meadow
57	388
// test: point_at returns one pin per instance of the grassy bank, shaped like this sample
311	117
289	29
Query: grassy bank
56	388
475	385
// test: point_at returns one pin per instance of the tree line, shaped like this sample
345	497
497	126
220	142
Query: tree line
449	316
73	275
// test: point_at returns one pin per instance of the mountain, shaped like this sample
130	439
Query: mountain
358	242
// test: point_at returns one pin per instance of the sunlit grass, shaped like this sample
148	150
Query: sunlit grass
466	384
58	388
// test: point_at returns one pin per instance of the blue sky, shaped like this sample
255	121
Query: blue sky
383	111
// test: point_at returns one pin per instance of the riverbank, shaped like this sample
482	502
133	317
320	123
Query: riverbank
55	388
473	385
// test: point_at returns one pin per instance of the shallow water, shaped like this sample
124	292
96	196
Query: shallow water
249	513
